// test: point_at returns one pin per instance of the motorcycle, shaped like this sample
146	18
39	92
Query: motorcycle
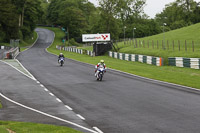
100	73
61	61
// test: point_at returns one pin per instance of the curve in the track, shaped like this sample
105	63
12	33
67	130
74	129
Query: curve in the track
120	103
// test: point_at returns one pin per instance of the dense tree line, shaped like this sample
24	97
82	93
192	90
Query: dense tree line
179	14
18	18
112	16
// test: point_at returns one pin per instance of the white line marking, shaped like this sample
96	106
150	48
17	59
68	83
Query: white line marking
68	107
18	70
58	100
81	117
51	116
98	130
38	82
42	85
26	69
45	89
51	94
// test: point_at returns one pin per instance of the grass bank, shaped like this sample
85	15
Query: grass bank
177	43
182	76
21	127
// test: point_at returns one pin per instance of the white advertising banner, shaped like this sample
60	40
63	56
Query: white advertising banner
95	37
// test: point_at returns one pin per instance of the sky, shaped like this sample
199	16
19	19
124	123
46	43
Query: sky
152	6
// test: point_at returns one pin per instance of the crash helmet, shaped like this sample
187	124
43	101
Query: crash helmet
61	53
102	61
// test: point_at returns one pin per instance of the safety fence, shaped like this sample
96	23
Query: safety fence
174	45
75	50
158	61
10	54
5	47
184	62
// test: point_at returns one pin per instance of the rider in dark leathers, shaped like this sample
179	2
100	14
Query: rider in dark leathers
60	55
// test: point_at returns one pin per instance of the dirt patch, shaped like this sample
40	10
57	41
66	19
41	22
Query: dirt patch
10	131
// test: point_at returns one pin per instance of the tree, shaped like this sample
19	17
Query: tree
8	21
73	19
179	14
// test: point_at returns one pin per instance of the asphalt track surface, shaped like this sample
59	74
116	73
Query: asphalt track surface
28	92
121	103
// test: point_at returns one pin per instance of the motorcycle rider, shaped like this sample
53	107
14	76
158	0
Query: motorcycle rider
100	64
61	55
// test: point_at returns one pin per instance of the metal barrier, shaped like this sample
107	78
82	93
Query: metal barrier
10	54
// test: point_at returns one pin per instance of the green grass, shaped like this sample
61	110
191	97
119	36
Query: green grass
90	48
21	127
28	41
182	76
190	33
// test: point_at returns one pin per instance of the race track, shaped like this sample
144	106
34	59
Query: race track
121	103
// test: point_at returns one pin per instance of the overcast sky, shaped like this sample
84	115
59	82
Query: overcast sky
152	6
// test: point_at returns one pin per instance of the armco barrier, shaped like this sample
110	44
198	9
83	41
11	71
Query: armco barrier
184	62
134	57
5	47
10	54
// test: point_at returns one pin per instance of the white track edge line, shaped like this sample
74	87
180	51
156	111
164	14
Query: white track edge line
51	94
41	85
80	116
25	69
51	116
68	107
17	70
97	129
58	100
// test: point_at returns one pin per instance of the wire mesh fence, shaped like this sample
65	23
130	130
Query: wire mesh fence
173	45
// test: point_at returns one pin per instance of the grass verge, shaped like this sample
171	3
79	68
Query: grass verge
21	127
153	45
183	76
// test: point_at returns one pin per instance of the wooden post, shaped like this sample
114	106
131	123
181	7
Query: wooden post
136	43
157	45
173	45
139	44
179	45
167	44
193	46
148	43
143	44
185	45
152	44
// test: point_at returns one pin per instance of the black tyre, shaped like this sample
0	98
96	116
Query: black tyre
61	63
100	77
